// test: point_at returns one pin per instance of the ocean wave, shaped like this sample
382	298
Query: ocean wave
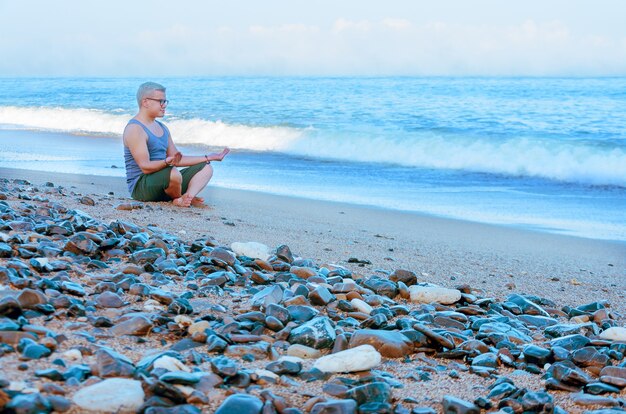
563	160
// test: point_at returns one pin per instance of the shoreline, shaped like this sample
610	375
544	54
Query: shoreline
498	259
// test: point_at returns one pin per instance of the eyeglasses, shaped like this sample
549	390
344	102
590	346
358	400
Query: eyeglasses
162	102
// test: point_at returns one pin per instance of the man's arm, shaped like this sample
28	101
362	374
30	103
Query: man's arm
136	141
187	160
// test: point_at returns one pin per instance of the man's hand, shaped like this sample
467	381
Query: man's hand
175	159
222	154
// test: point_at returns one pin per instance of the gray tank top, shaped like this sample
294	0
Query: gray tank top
157	148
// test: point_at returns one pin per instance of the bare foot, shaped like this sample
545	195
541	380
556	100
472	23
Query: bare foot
182	201
198	202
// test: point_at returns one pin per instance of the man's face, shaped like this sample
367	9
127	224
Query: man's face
154	105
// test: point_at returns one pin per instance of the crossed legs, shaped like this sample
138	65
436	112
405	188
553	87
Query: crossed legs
184	190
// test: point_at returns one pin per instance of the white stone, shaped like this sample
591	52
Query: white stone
616	333
361	306
303	351
361	358
430	294
171	364
73	355
291	358
42	261
152	305
17	385
183	321
4	237
266	373
253	250
199	326
113	395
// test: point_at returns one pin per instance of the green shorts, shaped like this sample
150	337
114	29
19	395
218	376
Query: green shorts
151	187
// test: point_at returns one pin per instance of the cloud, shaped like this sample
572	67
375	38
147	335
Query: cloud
385	46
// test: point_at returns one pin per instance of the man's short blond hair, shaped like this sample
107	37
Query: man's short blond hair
146	89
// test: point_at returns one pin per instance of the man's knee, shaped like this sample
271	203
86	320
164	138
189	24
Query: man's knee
175	177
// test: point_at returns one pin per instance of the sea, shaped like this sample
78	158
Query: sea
546	154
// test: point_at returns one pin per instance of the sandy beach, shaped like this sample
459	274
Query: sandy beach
488	261
497	259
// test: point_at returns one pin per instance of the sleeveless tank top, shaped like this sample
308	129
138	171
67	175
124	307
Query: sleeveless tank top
157	148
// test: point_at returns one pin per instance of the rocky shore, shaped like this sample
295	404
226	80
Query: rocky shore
114	316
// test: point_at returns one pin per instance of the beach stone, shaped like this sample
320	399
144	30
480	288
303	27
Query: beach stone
283	252
537	402
528	307
390	344
568	373
180	377
73	288
223	255
170	363
270	295
361	306
35	351
240	404
501	390
372	392
434	294
321	296
28	404
405	276
589	356
303	272
504	330
302	351
335	407
136	325
111	364
537	321
615	333
109	300
317	333
253	250
9	306
224	367
284	366
565	329
597	388
360	358
198	327
581	398
382	287
129	396
81	244
454	405
259	350
301	313
537	355
570	342
29	298
147	255
614	375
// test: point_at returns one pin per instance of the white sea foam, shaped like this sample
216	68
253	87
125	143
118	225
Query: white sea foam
563	160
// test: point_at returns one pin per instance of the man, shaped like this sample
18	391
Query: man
152	158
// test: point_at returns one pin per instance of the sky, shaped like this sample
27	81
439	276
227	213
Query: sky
319	37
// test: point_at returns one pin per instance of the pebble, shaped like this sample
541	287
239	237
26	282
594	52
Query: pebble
240	404
434	294
115	395
360	358
615	333
390	344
